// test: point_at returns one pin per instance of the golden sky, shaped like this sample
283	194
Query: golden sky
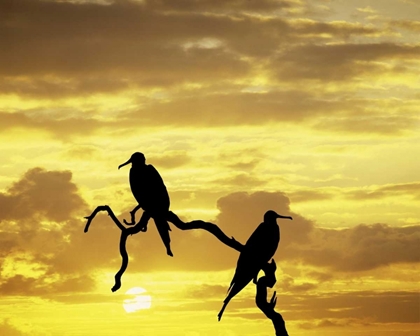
307	107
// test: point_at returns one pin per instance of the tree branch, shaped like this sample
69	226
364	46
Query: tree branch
261	298
171	217
266	281
210	227
123	239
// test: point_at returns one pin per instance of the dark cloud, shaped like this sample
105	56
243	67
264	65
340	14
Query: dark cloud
171	159
41	194
235	109
328	309
309	195
20	285
241	212
361	248
38	228
372	123
242	181
248	165
8	329
206	292
68	48
339	62
89	39
396	190
60	127
63	254
224	6
413	26
287	284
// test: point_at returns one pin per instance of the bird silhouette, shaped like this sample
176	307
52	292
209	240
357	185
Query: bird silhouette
258	250
151	195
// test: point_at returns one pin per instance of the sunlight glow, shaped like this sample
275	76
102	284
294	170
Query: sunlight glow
137	302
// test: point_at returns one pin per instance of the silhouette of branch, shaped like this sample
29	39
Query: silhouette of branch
261	298
110	213
266	281
125	232
210	227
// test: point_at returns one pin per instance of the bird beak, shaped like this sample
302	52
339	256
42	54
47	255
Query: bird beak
286	217
124	164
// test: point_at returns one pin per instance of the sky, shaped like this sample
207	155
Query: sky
308	108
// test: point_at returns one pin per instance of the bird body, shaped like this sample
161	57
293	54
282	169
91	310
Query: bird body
148	188
265	240
150	193
256	253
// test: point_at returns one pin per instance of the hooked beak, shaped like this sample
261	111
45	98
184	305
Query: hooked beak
286	217
124	164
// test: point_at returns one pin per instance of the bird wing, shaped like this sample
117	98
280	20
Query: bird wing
157	189
257	251
261	245
148	188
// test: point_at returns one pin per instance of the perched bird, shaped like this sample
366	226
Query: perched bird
151	195
256	253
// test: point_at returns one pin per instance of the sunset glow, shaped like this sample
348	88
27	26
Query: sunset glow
306	107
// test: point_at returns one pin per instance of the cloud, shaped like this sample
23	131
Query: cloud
171	159
360	307
38	225
90	47
206	291
339	62
60	127
309	195
409	25
102	42
20	285
50	253
235	109
361	248
228	6
371	123
287	284
242	180
8	329
395	190
41	194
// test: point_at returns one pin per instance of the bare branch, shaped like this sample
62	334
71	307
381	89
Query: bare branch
123	239
125	232
261	298
110	213
210	227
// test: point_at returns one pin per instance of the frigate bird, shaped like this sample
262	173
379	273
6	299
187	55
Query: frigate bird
256	253
151	195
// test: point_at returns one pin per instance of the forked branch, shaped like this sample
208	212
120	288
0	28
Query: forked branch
171	217
261	298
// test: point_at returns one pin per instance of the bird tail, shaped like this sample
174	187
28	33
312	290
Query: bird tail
231	284
230	287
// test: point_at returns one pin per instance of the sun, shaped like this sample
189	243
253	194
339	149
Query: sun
137	300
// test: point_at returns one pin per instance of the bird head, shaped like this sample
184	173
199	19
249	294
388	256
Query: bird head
271	216
136	159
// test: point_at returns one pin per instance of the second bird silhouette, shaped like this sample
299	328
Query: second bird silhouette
151	195
258	250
